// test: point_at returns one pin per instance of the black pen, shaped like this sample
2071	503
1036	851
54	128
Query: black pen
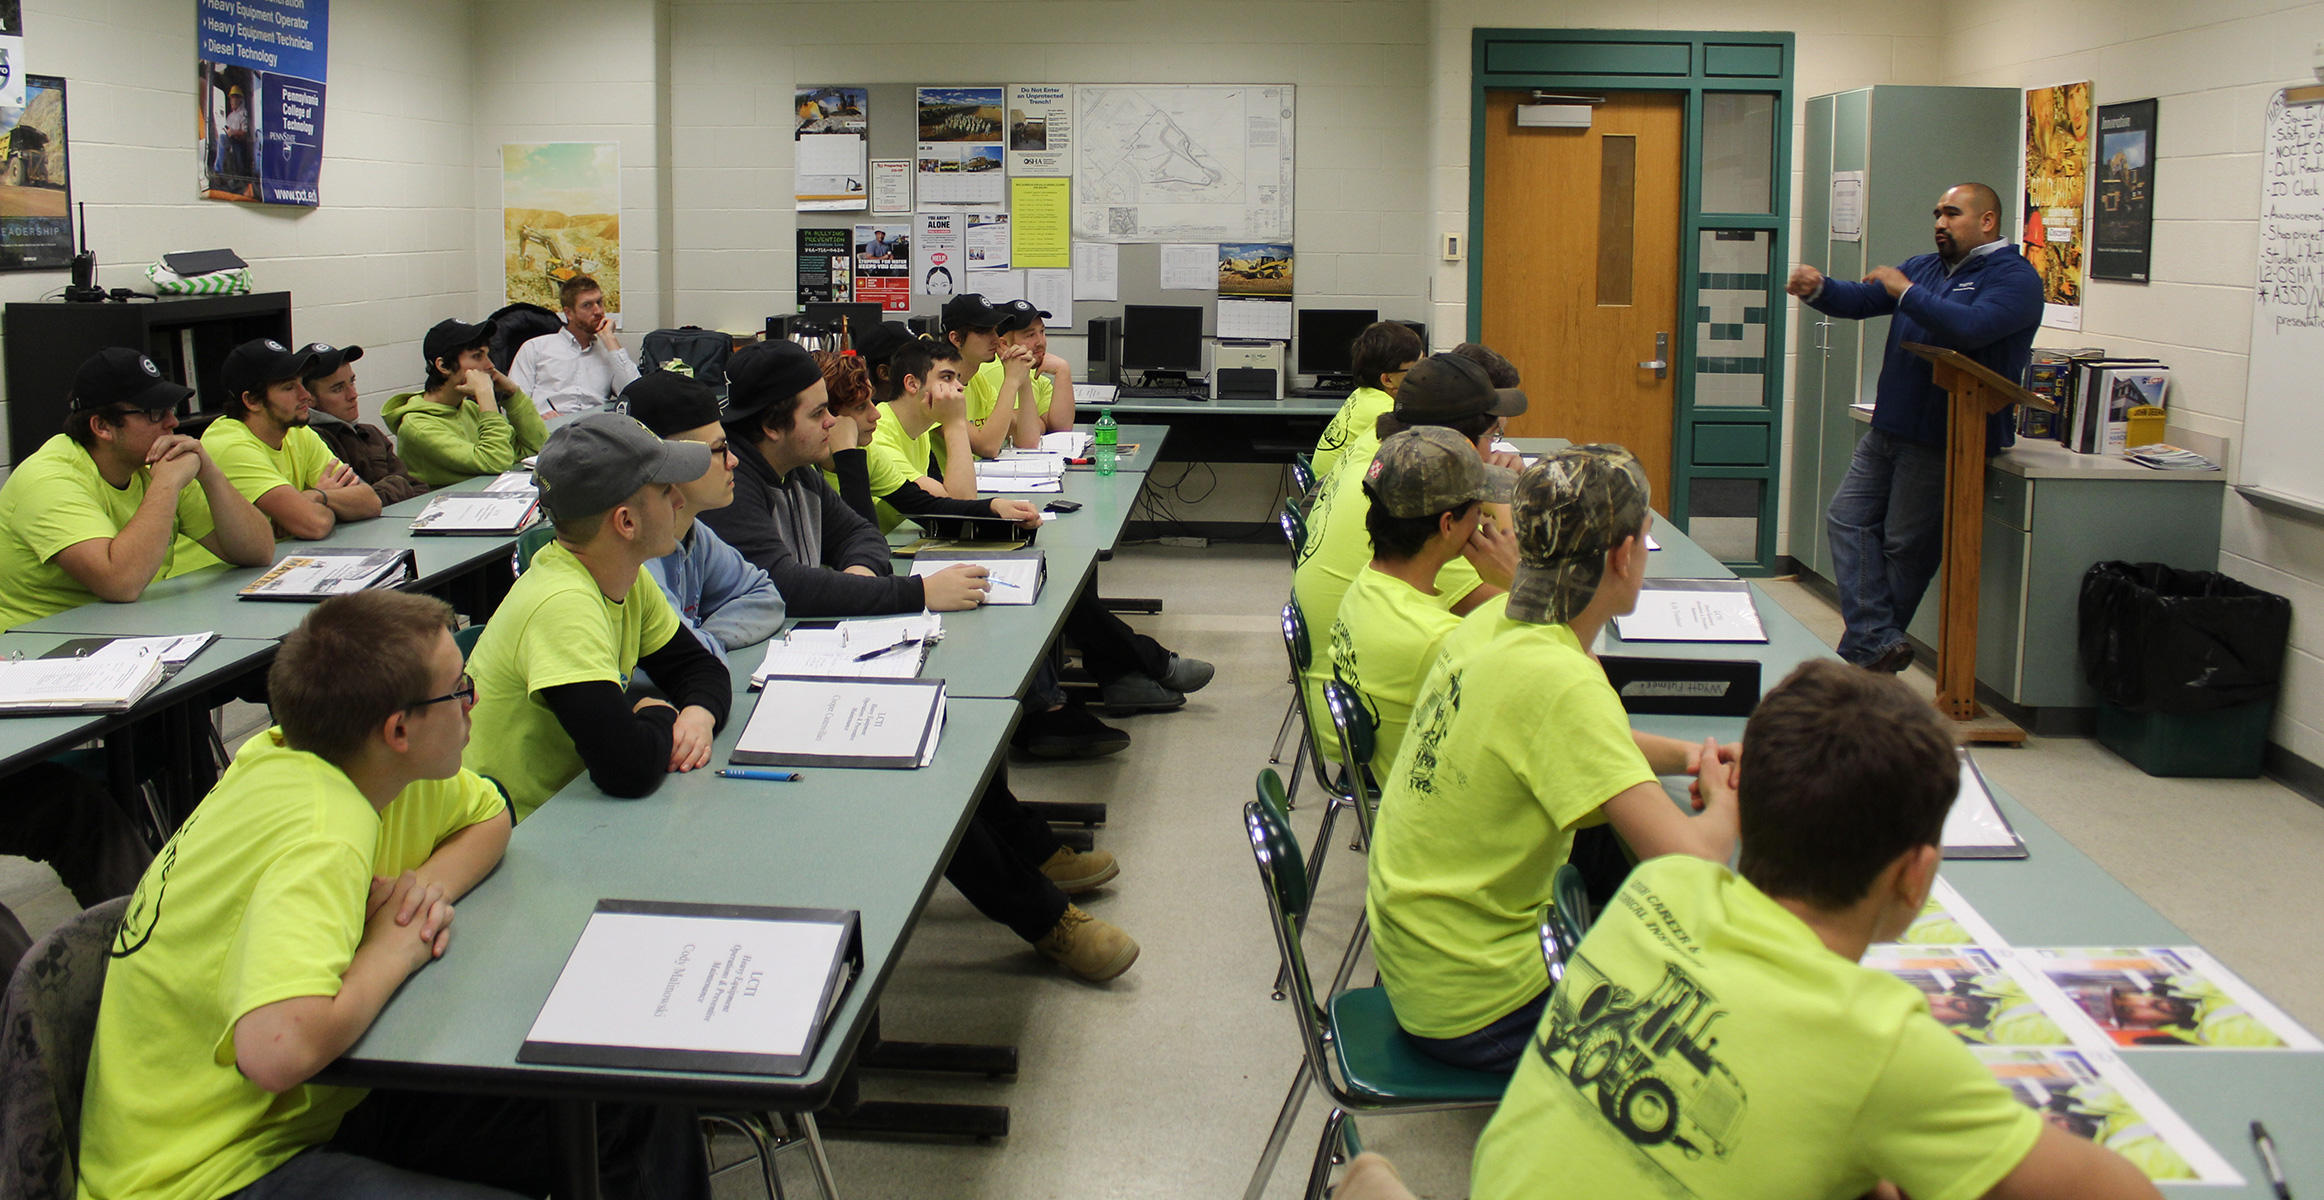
2268	1161
869	655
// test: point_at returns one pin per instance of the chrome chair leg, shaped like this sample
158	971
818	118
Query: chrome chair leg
1356	944
1290	714
1279	1135
1326	1154
816	1157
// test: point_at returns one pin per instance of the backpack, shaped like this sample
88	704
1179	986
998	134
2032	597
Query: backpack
689	350
516	324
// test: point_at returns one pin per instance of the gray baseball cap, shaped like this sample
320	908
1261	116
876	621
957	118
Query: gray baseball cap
1571	508
1429	469
592	463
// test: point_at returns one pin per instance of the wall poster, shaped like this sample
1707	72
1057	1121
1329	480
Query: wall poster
883	266
960	156
560	216
2122	222
2057	158
260	99
828	151
36	223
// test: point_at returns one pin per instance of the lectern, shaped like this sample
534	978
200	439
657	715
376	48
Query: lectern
1976	393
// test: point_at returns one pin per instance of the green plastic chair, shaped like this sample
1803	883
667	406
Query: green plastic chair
1564	920
466	639
1303	476
1294	525
1340	786
1356	733
1350	1046
529	543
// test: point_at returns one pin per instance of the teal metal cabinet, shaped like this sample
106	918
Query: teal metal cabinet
1910	144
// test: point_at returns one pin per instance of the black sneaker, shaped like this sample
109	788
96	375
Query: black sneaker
1067	732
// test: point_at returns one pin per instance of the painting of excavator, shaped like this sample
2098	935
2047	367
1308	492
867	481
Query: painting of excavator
560	218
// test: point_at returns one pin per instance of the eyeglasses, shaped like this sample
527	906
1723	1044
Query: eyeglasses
464	691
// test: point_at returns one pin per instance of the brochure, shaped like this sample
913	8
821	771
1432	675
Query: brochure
1976	993
2161	997
2092	1095
321	573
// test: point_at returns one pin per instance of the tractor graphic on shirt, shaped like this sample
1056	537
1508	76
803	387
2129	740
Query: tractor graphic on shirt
1647	1057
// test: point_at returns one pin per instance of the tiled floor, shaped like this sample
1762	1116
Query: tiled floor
1164	1083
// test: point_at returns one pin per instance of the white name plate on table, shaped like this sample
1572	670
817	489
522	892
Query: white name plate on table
1693	610
697	987
822	722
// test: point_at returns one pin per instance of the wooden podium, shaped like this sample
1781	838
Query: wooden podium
1976	394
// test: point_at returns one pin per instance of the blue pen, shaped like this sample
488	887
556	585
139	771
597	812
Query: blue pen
769	776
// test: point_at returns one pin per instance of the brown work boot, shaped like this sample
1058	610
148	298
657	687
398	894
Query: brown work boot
1088	947
1074	872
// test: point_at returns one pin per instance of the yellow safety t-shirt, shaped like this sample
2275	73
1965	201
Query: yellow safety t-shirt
259	898
255	468
1386	638
1705	1042
55	499
554	628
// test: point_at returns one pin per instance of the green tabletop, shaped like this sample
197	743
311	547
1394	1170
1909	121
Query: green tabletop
1147	438
29	739
872	841
2055	896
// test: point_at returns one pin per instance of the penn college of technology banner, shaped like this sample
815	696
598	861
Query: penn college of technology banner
260	96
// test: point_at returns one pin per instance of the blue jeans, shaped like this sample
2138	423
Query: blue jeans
1888	530
1497	1047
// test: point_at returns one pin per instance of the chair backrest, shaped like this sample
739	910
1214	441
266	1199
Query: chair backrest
1283	879
1358	737
529	543
1303	473
515	324
1294	525
47	1020
1564	920
466	638
1295	640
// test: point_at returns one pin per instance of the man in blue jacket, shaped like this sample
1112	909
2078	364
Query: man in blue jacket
1977	295
726	599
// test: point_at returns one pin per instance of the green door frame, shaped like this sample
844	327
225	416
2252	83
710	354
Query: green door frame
1692	63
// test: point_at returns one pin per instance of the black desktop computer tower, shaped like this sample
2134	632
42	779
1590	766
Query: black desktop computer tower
1105	350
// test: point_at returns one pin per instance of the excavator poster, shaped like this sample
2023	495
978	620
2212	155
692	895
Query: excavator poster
560	217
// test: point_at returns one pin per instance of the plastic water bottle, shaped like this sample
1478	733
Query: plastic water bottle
1107	434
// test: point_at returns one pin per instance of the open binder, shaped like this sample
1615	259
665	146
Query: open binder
324	572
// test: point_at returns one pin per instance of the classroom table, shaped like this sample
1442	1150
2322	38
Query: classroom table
871	841
1262	431
1149	440
2055	896
177	713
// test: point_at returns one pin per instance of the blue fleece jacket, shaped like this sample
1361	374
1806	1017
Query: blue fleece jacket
723	597
1988	310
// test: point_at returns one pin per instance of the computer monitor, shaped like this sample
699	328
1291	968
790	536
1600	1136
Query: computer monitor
860	317
1161	337
1324	337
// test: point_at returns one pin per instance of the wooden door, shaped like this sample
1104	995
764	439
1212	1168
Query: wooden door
1581	261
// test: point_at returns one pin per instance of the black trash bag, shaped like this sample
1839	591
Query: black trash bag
2158	639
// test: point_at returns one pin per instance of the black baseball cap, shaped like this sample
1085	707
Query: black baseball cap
667	402
765	372
1443	388
452	335
1018	314
119	375
880	343
969	312
327	359
260	362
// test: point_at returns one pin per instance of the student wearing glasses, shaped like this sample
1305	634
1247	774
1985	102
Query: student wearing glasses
553	663
313	880
117	500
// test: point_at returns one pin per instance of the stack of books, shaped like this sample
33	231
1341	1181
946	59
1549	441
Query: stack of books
2105	403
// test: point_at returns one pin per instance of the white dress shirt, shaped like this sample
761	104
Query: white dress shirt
562	375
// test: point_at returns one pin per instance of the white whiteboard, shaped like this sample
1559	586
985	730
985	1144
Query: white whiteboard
2283	429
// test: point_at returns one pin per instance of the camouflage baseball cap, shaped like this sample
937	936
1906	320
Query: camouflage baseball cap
1429	469
1572	507
1444	388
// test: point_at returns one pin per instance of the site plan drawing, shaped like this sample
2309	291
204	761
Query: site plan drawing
1183	164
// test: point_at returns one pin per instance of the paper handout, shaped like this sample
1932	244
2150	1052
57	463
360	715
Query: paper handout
1013	578
1693	610
822	722
1974	827
326	571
